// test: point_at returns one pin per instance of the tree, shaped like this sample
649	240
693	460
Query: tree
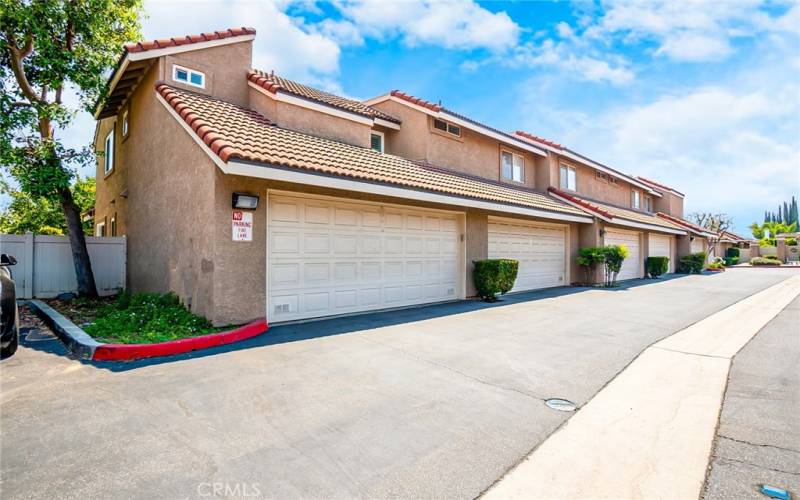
766	233
40	215
47	48
716	224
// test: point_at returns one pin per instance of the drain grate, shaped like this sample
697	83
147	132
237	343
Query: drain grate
560	404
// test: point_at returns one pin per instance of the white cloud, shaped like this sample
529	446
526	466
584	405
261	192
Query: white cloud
453	24
575	59
694	47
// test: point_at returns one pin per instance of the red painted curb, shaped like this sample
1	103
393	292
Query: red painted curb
130	352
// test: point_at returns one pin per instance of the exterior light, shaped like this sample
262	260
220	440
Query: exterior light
245	201
602	231
691	238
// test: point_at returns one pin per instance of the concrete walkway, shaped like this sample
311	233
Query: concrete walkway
434	402
758	439
648	433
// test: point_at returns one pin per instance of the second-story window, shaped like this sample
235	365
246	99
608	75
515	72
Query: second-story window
376	141
108	153
188	76
635	199
126	125
447	127
568	179
648	203
512	166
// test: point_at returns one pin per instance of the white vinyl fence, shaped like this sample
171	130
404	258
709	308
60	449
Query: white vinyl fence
45	269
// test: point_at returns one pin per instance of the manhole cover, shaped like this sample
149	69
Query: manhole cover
560	404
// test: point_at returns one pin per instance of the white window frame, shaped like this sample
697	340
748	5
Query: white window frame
514	156
564	171
648	203
100	229
636	199
383	140
189	73
108	153
448	126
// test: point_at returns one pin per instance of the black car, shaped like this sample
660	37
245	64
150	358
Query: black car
9	315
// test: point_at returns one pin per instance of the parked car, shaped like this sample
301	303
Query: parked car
9	314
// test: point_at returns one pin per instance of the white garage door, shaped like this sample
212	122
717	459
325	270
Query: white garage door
698	245
328	257
631	266
540	250
659	246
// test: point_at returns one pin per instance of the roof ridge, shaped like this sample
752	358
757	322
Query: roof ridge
416	100
580	201
161	43
542	140
436	168
657	184
683	222
273	83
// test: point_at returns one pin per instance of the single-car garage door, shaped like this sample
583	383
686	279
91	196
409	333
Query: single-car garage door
327	257
631	268
659	246
539	248
698	245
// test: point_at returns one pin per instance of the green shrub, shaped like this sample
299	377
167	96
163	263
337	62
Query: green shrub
613	258
493	276
589	258
732	252
656	266
692	263
764	261
716	265
731	261
770	256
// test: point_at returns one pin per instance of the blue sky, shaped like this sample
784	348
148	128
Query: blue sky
702	96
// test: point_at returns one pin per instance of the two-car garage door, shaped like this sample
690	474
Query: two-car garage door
539	248
327	257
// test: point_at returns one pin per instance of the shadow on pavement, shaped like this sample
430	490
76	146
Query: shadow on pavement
286	333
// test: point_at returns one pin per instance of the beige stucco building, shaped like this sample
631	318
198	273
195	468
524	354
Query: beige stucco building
360	205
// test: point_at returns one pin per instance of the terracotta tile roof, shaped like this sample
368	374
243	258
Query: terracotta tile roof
416	100
683	223
233	132
657	185
540	140
612	212
732	236
184	40
274	83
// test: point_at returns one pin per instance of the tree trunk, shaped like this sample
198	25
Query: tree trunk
77	242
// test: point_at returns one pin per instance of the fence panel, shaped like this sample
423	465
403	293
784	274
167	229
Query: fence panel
45	268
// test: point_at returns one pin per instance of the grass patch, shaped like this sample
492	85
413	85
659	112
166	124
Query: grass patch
142	318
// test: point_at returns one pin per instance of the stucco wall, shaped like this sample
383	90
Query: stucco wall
225	68
310	121
110	186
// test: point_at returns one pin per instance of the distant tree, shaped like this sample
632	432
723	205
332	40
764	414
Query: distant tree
766	233
786	214
41	215
714	223
46	48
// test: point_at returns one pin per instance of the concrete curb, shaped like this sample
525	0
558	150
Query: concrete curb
82	345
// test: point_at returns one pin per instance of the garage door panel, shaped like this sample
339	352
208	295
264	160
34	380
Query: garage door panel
631	267
330	257
661	246
539	249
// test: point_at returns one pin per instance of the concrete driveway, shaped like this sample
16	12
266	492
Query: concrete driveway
432	402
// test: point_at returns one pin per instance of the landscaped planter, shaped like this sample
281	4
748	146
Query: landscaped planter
715	270
82	345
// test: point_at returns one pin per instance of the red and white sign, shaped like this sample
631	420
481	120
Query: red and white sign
242	226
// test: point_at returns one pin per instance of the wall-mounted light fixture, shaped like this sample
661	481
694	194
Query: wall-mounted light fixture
691	238
602	232
245	201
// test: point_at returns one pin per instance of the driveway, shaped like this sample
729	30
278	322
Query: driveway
431	402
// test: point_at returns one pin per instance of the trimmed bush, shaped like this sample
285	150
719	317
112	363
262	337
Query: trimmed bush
770	256
731	261
764	261
732	252
589	258
692	263
656	266
493	276
613	258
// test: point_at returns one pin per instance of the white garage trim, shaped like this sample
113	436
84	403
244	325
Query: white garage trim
330	256
516	239
632	266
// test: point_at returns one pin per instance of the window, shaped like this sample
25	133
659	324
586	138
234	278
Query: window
635	199
447	127
125	124
188	76
648	203
114	225
512	166
376	141
100	229
108	153
567	178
